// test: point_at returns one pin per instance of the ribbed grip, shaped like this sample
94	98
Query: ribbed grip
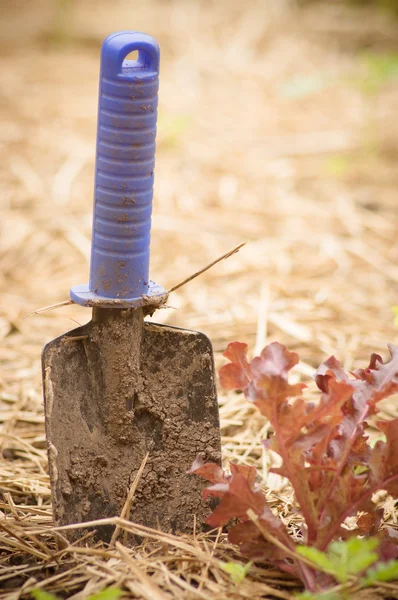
127	112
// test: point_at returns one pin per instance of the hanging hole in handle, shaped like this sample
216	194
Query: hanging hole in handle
133	60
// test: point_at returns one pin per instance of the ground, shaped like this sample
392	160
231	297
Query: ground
277	126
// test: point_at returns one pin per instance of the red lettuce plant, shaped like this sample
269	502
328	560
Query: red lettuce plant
325	454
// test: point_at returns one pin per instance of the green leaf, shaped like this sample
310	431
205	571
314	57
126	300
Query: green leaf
338	165
395	311
42	595
317	557
320	596
111	593
352	556
381	68
382	572
172	127
343	559
360	469
236	571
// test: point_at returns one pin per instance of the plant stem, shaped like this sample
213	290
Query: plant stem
355	507
343	463
303	496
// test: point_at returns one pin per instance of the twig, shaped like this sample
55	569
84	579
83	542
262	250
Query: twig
51	307
271	538
223	257
141	530
176	287
302	564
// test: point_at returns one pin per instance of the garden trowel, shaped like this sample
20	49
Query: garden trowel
120	388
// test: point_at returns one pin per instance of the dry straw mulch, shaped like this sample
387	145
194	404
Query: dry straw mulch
267	133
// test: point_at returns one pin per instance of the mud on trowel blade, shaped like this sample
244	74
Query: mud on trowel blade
119	388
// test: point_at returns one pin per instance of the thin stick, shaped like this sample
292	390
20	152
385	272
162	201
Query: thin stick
271	538
176	287
223	257
129	500
51	307
141	530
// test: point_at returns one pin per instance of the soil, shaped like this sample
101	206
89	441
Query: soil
116	389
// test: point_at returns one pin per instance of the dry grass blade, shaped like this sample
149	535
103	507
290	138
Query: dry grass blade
147	587
249	151
44	309
142	531
271	538
125	514
201	271
193	591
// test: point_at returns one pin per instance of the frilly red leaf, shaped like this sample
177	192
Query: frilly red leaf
237	497
251	542
274	359
330	369
384	459
323	445
236	375
210	471
248	472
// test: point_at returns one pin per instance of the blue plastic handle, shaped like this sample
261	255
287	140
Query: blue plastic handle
124	174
